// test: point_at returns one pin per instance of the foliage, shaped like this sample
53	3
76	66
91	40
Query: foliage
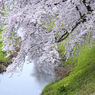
61	49
44	23
2	53
50	25
81	78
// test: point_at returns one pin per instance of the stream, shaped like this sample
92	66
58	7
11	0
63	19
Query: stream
23	83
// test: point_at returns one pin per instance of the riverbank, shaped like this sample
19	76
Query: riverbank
80	79
4	62
3	66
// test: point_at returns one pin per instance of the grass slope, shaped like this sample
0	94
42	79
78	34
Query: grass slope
80	81
2	53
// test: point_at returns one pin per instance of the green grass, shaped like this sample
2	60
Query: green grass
81	80
2	53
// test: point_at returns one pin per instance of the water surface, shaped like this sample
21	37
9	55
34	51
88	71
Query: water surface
24	84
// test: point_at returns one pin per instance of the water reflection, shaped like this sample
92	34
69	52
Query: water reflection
25	84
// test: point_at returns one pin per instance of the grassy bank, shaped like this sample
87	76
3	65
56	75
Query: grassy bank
81	78
2	53
3	61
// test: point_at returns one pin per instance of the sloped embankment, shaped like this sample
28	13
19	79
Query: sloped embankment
4	62
81	78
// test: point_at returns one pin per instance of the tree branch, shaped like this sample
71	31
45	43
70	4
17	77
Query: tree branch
66	34
81	20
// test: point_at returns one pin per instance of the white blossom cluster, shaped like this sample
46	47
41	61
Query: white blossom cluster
44	24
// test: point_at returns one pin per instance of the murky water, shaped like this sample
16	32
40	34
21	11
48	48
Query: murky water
24	84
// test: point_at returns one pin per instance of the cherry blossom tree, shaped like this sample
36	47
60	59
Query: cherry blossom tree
36	27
